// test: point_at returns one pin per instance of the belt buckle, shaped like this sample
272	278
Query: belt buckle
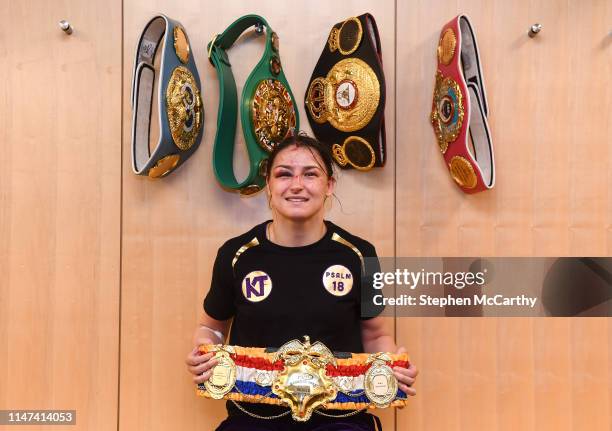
212	44
222	57
303	383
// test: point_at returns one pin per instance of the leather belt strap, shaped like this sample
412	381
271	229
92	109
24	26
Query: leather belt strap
460	110
181	114
268	68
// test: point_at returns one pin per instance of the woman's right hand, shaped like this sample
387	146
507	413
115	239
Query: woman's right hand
199	365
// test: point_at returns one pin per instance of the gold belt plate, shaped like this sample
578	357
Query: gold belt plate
463	172
356	152
447	46
181	45
272	113
184	107
349	36
347	97
380	384
164	166
447	110
303	383
223	375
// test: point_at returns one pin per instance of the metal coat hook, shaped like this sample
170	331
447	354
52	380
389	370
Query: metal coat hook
65	26
534	30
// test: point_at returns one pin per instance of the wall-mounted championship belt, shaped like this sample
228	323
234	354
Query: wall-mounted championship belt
267	110
459	110
345	100
181	114
304	377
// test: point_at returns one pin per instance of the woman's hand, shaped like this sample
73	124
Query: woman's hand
200	365
209	331
406	376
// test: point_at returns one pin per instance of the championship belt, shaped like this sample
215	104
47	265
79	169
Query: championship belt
267	110
345	100
305	377
181	114
459	111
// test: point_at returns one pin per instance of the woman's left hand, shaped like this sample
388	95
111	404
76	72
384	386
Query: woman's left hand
406	376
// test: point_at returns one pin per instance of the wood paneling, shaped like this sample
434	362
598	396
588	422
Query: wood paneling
60	209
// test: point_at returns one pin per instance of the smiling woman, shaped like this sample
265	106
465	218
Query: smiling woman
300	179
297	274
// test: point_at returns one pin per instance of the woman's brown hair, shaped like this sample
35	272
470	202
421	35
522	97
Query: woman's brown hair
303	140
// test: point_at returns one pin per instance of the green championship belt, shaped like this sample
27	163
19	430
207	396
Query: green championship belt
268	111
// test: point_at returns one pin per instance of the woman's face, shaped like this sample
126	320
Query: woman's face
298	184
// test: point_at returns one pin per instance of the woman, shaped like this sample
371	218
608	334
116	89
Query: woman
279	281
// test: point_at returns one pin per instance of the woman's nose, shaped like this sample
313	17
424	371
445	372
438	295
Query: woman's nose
296	181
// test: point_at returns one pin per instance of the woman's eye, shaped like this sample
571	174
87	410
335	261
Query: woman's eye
283	174
311	174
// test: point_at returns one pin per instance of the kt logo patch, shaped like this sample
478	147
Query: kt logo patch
338	280
256	286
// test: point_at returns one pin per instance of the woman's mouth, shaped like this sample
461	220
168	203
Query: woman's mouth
297	199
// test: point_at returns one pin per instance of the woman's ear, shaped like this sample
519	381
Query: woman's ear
331	186
268	195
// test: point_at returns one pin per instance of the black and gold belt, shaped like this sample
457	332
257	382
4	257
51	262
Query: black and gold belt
345	100
267	109
181	114
304	377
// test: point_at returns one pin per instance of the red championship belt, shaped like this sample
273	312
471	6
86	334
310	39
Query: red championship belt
459	109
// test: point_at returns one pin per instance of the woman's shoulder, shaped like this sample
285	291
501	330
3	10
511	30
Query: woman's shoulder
340	234
253	235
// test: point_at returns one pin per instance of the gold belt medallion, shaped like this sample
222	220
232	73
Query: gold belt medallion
347	97
303	383
184	107
349	36
462	172
447	110
223	375
447	46
354	151
164	166
380	384
181	45
272	113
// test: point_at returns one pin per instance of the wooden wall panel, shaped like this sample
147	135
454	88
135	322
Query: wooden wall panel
590	377
551	198
552	165
60	209
173	227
